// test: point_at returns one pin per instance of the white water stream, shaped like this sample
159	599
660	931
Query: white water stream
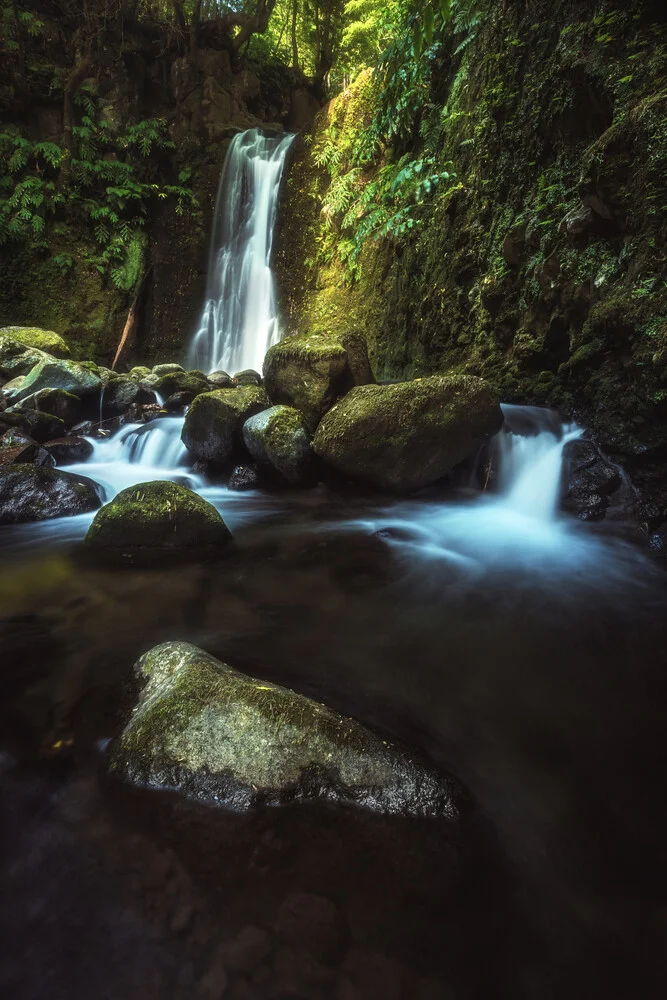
239	322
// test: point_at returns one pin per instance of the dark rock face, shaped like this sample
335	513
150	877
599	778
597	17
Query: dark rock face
122	393
245	476
155	521
590	481
214	421
16	448
404	436
57	402
40	426
279	437
68	450
219	736
29	493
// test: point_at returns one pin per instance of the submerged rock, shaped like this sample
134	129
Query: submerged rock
42	340
404	436
222	737
80	380
213	422
33	493
310	372
157	520
279	437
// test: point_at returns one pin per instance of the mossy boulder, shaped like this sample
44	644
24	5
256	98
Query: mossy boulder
221	737
179	381
309	372
214	421
38	425
404	436
43	340
59	403
279	437
16	359
123	392
39	493
155	521
248	377
166	369
52	373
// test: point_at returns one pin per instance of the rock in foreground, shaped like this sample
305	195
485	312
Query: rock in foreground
32	493
278	437
404	436
79	380
222	737
157	520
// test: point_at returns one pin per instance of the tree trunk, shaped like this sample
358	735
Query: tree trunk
295	47
194	31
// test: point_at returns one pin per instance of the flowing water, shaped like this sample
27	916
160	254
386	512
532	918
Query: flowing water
518	650
238	323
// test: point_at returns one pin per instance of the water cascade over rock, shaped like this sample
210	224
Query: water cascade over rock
238	324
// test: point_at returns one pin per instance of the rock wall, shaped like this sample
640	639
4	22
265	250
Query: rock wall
541	268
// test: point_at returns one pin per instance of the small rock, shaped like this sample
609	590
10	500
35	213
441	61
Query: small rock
247	377
29	493
245	477
221	380
16	447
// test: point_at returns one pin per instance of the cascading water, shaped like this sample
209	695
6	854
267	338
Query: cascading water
239	323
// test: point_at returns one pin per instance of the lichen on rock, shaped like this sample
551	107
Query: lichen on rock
279	437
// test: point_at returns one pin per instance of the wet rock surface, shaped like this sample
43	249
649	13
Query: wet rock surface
278	437
32	493
214	421
222	737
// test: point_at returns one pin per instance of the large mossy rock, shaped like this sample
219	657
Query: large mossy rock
51	373
16	359
171	382
279	437
59	403
32	493
404	436
220	736
157	521
214	421
42	340
310	372
122	393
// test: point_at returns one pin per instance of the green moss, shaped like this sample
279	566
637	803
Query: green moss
43	340
160	516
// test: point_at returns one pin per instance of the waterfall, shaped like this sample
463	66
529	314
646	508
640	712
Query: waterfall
239	322
530	448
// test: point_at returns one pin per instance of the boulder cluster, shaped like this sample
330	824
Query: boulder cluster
315	411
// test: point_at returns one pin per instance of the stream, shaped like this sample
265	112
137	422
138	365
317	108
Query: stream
514	647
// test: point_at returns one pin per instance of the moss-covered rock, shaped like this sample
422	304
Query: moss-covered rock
155	521
404	436
43	340
166	369
310	371
248	377
222	737
179	381
32	493
16	359
123	392
38	425
59	403
214	421
78	379
279	437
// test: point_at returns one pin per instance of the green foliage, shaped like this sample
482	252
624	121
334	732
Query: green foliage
111	182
